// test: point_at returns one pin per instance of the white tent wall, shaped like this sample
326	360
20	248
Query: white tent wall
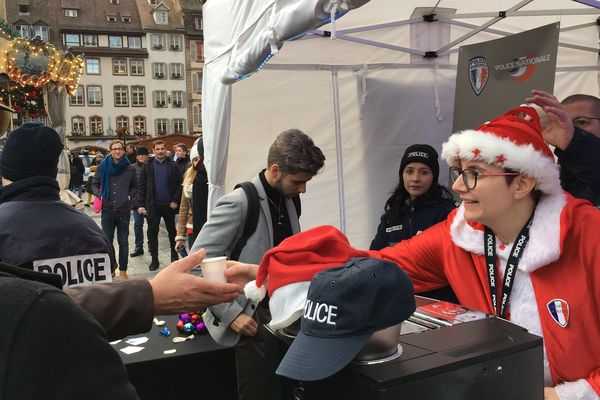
399	109
385	102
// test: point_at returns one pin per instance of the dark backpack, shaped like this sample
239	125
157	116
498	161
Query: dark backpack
251	221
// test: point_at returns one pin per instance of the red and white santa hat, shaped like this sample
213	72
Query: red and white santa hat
288	268
513	141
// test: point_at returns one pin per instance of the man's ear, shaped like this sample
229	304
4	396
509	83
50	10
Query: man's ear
274	170
523	184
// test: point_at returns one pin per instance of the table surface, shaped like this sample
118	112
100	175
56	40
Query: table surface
156	345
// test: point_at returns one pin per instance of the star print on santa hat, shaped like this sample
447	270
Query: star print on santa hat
512	141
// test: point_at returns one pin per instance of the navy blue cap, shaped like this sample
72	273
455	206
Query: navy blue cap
344	307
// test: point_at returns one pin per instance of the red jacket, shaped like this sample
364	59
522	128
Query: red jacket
560	262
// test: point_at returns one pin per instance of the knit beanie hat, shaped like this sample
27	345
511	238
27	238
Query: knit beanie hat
422	153
31	150
513	141
291	265
142	151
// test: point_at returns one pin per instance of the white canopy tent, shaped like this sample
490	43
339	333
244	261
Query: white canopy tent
363	97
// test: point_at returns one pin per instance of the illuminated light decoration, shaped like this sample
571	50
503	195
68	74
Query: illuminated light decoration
36	63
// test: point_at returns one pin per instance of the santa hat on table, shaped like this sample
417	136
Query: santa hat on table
290	267
513	141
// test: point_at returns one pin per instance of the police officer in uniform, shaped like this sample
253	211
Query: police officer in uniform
37	230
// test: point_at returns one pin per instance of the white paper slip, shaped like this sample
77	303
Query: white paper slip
132	349
136	341
115	342
169	351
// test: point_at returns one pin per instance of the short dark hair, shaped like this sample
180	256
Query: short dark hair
183	146
575	98
295	152
156	143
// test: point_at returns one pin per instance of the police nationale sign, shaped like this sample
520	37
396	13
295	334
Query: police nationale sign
495	76
78	270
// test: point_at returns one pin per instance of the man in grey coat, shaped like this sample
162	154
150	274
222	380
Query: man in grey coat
292	161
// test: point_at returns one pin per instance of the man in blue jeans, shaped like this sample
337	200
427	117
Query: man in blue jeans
138	220
116	184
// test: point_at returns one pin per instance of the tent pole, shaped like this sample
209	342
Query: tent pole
338	148
481	28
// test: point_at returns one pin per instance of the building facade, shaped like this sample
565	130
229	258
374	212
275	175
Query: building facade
137	80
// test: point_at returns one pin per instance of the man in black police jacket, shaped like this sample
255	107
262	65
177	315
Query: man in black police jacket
37	230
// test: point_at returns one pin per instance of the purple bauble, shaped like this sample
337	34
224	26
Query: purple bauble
188	328
180	326
200	326
185	317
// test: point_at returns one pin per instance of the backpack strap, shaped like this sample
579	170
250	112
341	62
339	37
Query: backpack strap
251	221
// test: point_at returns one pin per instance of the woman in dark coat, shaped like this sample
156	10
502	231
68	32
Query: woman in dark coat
417	203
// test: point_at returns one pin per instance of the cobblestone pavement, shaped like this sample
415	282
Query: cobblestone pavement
137	267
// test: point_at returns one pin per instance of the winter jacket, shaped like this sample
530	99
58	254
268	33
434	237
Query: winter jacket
40	232
123	189
183	164
192	212
414	219
559	265
71	360
580	166
77	171
145	196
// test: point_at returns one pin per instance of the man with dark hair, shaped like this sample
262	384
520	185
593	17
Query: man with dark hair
138	220
115	183
577	152
182	159
292	161
130	153
159	195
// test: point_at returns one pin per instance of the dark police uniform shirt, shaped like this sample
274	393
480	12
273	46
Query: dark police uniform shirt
40	232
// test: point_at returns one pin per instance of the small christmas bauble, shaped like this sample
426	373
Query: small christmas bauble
189	328
185	317
200	326
180	326
165	331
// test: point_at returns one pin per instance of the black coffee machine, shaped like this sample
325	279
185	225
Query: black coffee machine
443	351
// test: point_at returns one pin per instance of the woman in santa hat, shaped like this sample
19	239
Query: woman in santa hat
515	213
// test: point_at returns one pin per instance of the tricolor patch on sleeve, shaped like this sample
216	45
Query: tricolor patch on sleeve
559	310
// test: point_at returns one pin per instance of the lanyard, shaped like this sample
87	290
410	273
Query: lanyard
511	265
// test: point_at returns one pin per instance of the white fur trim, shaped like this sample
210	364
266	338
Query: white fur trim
544	236
253	292
287	304
522	158
577	390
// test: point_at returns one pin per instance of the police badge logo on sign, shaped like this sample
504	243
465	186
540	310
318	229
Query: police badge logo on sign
478	74
79	270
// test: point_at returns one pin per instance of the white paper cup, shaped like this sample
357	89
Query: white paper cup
214	268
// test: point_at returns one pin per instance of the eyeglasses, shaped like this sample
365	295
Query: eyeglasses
582	122
116	148
469	175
